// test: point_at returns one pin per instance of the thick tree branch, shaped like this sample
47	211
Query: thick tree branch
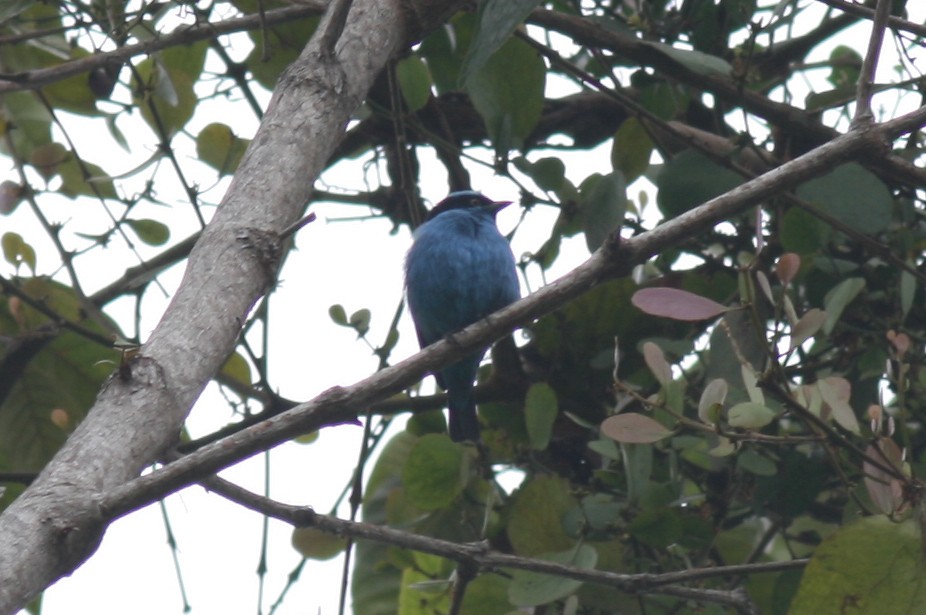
57	523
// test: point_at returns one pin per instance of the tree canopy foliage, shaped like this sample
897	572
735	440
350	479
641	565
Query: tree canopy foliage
731	386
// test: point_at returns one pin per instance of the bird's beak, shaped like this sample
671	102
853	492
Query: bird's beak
497	206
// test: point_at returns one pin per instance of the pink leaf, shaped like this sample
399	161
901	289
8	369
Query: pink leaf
633	428
676	304
656	361
787	267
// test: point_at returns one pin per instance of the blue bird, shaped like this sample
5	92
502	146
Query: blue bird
459	270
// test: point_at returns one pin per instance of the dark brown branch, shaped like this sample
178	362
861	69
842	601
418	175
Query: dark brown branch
476	555
33	79
786	118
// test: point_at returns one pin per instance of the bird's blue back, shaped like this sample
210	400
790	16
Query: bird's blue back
459	270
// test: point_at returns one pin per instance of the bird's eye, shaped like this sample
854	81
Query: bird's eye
474	202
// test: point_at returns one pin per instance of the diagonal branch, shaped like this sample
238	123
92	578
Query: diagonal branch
617	257
57	522
478	557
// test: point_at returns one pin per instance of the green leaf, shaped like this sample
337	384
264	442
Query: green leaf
237	368
164	95
750	415
548	173
414	82
360	321
873	564
277	47
633	428
847	66
802	232
73	94
508	93
85	179
32	120
907	291
695	61
497	20
540	410
434	474
338	315
48	158
757	464
375	580
535	522
838	298
220	148
445	49
12	8
852	194
657	527
59	379
691	179
152	232
603	203
487	594
316	544
17	252
420	593
533	588
631	149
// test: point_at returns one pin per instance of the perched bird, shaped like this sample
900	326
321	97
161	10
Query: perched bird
459	270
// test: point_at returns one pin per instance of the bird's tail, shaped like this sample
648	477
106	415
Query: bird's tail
463	422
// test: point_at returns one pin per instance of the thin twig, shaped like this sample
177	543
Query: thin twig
866	78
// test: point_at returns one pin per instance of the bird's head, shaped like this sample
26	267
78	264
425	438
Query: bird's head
467	199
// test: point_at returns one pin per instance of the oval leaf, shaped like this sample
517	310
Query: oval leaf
676	304
807	327
316	544
750	415
634	428
787	267
533	588
152	232
656	361
540	409
711	401
433	474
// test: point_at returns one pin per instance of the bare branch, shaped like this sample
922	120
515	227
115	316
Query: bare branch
478	557
861	10
33	79
866	76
